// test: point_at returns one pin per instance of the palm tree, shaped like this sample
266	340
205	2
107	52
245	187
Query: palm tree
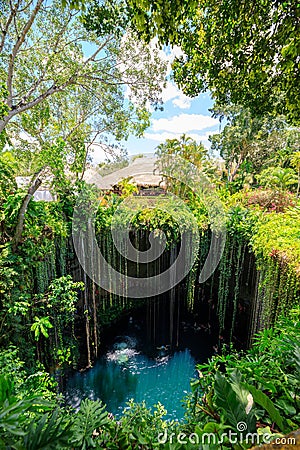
278	177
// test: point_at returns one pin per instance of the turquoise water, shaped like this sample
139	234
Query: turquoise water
134	375
131	368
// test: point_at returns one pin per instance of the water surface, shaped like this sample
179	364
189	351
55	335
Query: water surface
132	368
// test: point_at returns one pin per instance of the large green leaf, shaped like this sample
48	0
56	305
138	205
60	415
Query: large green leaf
232	405
49	432
91	416
6	388
264	401
12	416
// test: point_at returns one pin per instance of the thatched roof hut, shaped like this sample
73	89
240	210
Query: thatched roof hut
142	172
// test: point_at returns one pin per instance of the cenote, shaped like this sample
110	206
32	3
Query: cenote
132	366
148	348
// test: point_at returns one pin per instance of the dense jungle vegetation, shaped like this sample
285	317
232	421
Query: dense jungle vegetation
54	99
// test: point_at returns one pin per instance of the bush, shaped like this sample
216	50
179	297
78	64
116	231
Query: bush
271	200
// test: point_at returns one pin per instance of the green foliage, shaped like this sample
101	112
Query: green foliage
241	222
263	400
258	387
148	18
62	296
245	54
7	173
26	381
127	188
185	147
91	416
141	426
249	144
277	236
188	149
16	415
3	111
232	399
59	301
40	326
33	112
147	214
276	177
51	431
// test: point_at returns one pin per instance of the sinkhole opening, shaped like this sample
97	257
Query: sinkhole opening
149	347
140	361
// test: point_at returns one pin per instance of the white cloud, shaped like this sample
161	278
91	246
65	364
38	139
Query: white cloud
162	137
182	102
171	92
184	123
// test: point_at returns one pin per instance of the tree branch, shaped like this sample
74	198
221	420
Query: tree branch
13	10
21	108
16	49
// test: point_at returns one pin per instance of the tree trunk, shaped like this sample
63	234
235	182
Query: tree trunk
36	183
233	174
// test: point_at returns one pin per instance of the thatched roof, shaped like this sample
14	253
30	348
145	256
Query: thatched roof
141	171
91	176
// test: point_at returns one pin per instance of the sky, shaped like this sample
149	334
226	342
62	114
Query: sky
180	115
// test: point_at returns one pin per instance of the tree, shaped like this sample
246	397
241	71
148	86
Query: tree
188	149
277	177
80	121
245	53
249	144
56	100
149	19
42	56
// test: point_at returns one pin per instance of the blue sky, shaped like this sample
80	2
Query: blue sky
180	115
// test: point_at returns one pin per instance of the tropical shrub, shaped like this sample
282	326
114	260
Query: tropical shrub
270	200
259	387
